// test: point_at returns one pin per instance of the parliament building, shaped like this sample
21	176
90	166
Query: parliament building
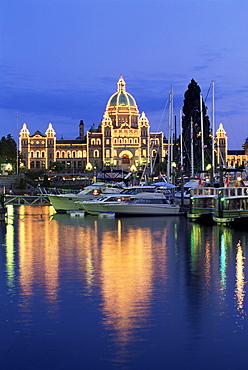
122	141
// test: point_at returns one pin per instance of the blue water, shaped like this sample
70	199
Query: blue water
122	293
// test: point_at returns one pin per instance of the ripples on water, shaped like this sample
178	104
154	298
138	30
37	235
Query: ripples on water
124	293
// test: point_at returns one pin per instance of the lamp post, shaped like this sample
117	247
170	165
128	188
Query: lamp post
133	169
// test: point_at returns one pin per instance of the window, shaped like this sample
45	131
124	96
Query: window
96	153
37	154
98	141
84	154
68	154
57	154
80	154
107	142
74	154
43	154
32	154
93	142
107	153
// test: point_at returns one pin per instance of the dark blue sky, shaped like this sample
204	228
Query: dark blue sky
60	60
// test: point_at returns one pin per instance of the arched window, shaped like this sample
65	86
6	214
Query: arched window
80	154
32	154
136	141
84	153
130	141
107	141
125	141
96	153
107	153
98	141
93	142
115	141
37	155
43	154
68	154
74	154
63	155
57	154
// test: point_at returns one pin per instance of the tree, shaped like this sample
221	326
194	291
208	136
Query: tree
8	150
192	113
56	167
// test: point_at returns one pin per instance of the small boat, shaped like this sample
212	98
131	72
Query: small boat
142	204
63	203
231	206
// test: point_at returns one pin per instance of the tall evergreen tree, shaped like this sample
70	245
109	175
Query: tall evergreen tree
8	150
192	113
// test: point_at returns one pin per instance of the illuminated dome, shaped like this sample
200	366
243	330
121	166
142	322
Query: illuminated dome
121	97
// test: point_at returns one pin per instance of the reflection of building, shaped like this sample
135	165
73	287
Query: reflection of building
122	139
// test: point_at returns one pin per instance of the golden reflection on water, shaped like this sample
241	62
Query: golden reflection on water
9	240
126	273
240	278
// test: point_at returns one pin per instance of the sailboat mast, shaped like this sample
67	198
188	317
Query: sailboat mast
181	138
192	147
17	139
213	129
202	134
172	119
169	144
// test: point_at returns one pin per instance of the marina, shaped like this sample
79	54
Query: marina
121	293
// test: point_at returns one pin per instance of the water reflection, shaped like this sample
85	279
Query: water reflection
240	283
132	269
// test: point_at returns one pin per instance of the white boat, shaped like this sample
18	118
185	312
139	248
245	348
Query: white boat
63	203
142	204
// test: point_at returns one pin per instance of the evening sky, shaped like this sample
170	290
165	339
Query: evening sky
60	61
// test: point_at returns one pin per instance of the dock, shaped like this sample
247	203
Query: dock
27	200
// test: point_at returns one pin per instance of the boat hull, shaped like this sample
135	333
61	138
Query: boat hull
137	210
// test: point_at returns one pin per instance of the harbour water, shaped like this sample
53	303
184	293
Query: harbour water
121	293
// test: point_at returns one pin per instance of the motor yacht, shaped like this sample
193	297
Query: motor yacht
141	204
63	203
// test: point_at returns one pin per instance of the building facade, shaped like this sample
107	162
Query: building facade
123	139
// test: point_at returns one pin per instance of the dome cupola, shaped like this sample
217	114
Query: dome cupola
121	97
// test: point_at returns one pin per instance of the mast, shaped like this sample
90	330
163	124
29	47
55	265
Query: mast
172	119
192	148
181	138
169	144
202	134
213	130
17	139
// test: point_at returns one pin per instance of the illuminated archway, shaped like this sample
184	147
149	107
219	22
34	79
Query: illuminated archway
126	155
